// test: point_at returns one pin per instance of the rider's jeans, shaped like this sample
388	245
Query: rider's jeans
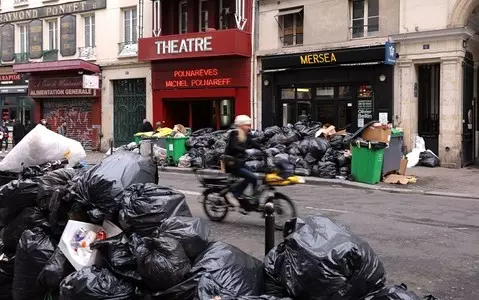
249	178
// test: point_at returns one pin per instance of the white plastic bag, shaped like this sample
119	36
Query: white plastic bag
420	144
40	146
184	161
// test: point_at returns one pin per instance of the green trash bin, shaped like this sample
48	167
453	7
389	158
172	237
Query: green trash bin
176	148
367	164
137	139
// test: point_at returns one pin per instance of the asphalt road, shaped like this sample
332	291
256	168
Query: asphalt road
429	243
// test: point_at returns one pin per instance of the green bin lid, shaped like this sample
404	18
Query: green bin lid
396	133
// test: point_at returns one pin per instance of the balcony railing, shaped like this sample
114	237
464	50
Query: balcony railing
128	49
50	55
22	58
87	53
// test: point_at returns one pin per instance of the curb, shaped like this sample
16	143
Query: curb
313	181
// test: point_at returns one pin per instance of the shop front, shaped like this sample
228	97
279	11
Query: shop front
346	88
58	99
205	82
14	101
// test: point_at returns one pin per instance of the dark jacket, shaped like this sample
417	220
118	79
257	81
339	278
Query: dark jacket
29	127
147	127
18	131
235	148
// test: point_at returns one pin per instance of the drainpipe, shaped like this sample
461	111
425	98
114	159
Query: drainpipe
254	63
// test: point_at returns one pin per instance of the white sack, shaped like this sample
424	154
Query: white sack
40	146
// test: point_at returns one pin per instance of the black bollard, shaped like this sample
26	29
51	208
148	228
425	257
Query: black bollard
112	143
269	229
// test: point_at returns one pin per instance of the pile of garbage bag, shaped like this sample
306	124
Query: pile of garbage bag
160	251
294	145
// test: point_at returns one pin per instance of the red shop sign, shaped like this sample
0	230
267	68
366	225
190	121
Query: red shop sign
197	78
58	88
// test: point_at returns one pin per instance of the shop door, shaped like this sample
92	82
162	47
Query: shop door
468	117
428	105
129	106
337	113
78	115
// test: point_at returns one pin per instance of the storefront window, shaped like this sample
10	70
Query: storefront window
303	93
327	113
288	113
16	107
344	92
365	92
287	93
325	92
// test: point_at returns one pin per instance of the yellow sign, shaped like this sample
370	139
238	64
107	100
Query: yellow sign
319	58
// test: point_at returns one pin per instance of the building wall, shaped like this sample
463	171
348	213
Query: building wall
326	25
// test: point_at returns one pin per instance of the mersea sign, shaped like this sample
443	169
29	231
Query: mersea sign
52	10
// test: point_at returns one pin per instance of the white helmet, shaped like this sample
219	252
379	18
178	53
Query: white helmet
242	120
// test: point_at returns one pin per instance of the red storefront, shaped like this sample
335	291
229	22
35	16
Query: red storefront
199	79
58	94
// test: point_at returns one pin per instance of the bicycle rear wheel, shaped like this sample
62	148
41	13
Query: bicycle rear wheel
215	207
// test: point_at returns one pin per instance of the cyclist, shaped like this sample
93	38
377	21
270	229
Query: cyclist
239	141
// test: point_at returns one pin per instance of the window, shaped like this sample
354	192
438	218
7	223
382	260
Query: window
364	18
203	15
227	14
24	39
130	22
291	23
89	31
52	35
183	9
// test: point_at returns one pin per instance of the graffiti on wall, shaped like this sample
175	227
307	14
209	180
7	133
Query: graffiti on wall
78	115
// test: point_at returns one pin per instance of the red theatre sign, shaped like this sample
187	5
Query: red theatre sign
230	42
198	78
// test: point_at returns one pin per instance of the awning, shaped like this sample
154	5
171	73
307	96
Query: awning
289	11
60	65
286	12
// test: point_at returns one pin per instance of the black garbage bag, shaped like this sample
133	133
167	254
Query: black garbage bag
220	145
342	160
259	136
311	130
281	148
191	232
293	149
15	197
263	297
100	188
315	171
201	132
399	292
6	177
145	206
292	136
33	252
278	139
331	155
162	262
29	218
235	273
327	170
316	147
7	265
269	163
336	142
94	283
50	182
254	154
255	165
212	158
57	268
299	162
272	151
347	140
302	171
344	171
320	260
428	159
310	159
119	253
269	132
300	126
197	162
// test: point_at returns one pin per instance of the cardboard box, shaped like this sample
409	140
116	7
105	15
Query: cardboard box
77	261
402	167
378	134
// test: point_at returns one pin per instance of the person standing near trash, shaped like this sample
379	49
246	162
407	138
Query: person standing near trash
239	141
62	129
45	123
146	126
18	132
29	127
158	126
4	137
